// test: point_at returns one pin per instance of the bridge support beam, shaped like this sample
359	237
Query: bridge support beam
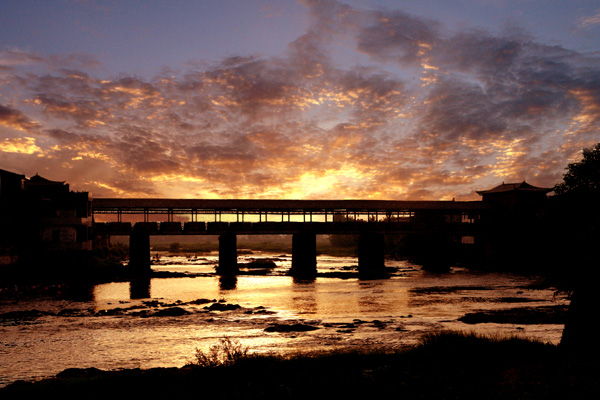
371	256
227	254
304	255
139	251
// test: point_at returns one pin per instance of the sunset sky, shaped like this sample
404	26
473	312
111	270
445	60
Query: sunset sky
305	99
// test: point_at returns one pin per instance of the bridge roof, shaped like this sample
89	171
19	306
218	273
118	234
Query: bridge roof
509	187
106	204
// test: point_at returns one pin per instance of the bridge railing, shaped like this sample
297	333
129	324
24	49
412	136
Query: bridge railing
216	228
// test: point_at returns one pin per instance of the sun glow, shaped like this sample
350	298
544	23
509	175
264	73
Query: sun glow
329	183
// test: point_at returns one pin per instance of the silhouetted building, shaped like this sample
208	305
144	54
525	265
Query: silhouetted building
521	195
11	189
41	217
11	184
514	225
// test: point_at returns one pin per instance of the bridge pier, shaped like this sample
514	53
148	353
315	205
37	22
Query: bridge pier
227	254
371	256
139	288
304	255
139	251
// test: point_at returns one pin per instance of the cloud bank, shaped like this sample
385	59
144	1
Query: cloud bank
364	104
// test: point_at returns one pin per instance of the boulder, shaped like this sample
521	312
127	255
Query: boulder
291	328
222	307
171	312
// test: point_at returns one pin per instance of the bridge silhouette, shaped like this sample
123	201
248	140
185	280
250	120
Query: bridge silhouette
371	220
43	220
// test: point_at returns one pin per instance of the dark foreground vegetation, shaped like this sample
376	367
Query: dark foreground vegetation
445	366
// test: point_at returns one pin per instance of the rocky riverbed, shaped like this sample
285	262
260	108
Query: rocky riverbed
184	306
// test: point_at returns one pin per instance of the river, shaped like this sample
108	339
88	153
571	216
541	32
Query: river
161	322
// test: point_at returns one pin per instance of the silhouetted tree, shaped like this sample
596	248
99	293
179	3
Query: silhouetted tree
582	177
577	210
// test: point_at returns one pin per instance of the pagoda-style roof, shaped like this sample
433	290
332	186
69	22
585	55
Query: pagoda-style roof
510	187
39	180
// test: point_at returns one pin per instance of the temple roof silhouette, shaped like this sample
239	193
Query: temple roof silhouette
39	180
508	187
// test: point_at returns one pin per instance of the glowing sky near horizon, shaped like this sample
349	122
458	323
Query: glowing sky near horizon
297	99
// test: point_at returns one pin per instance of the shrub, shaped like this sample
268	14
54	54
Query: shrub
226	352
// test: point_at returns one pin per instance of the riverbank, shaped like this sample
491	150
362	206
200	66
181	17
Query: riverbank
443	366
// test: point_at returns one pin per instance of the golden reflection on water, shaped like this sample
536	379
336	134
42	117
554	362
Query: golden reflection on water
319	299
111	292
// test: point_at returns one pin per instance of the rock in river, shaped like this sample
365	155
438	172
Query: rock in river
290	328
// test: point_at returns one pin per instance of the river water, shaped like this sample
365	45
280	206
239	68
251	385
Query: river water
161	322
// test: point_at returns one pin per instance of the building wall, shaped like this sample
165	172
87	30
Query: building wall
38	216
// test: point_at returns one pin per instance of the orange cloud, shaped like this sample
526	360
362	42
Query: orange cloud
25	145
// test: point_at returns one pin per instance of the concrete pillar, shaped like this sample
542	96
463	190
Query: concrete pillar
227	254
371	256
304	255
227	282
139	288
139	251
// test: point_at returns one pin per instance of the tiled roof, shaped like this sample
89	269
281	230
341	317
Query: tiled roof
522	186
39	180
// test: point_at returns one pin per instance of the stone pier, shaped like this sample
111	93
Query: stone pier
227	254
139	251
371	256
304	255
371	253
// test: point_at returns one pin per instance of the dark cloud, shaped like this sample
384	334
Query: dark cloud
62	135
85	113
458	110
15	119
396	36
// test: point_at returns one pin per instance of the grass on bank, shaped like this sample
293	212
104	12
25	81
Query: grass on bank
445	365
